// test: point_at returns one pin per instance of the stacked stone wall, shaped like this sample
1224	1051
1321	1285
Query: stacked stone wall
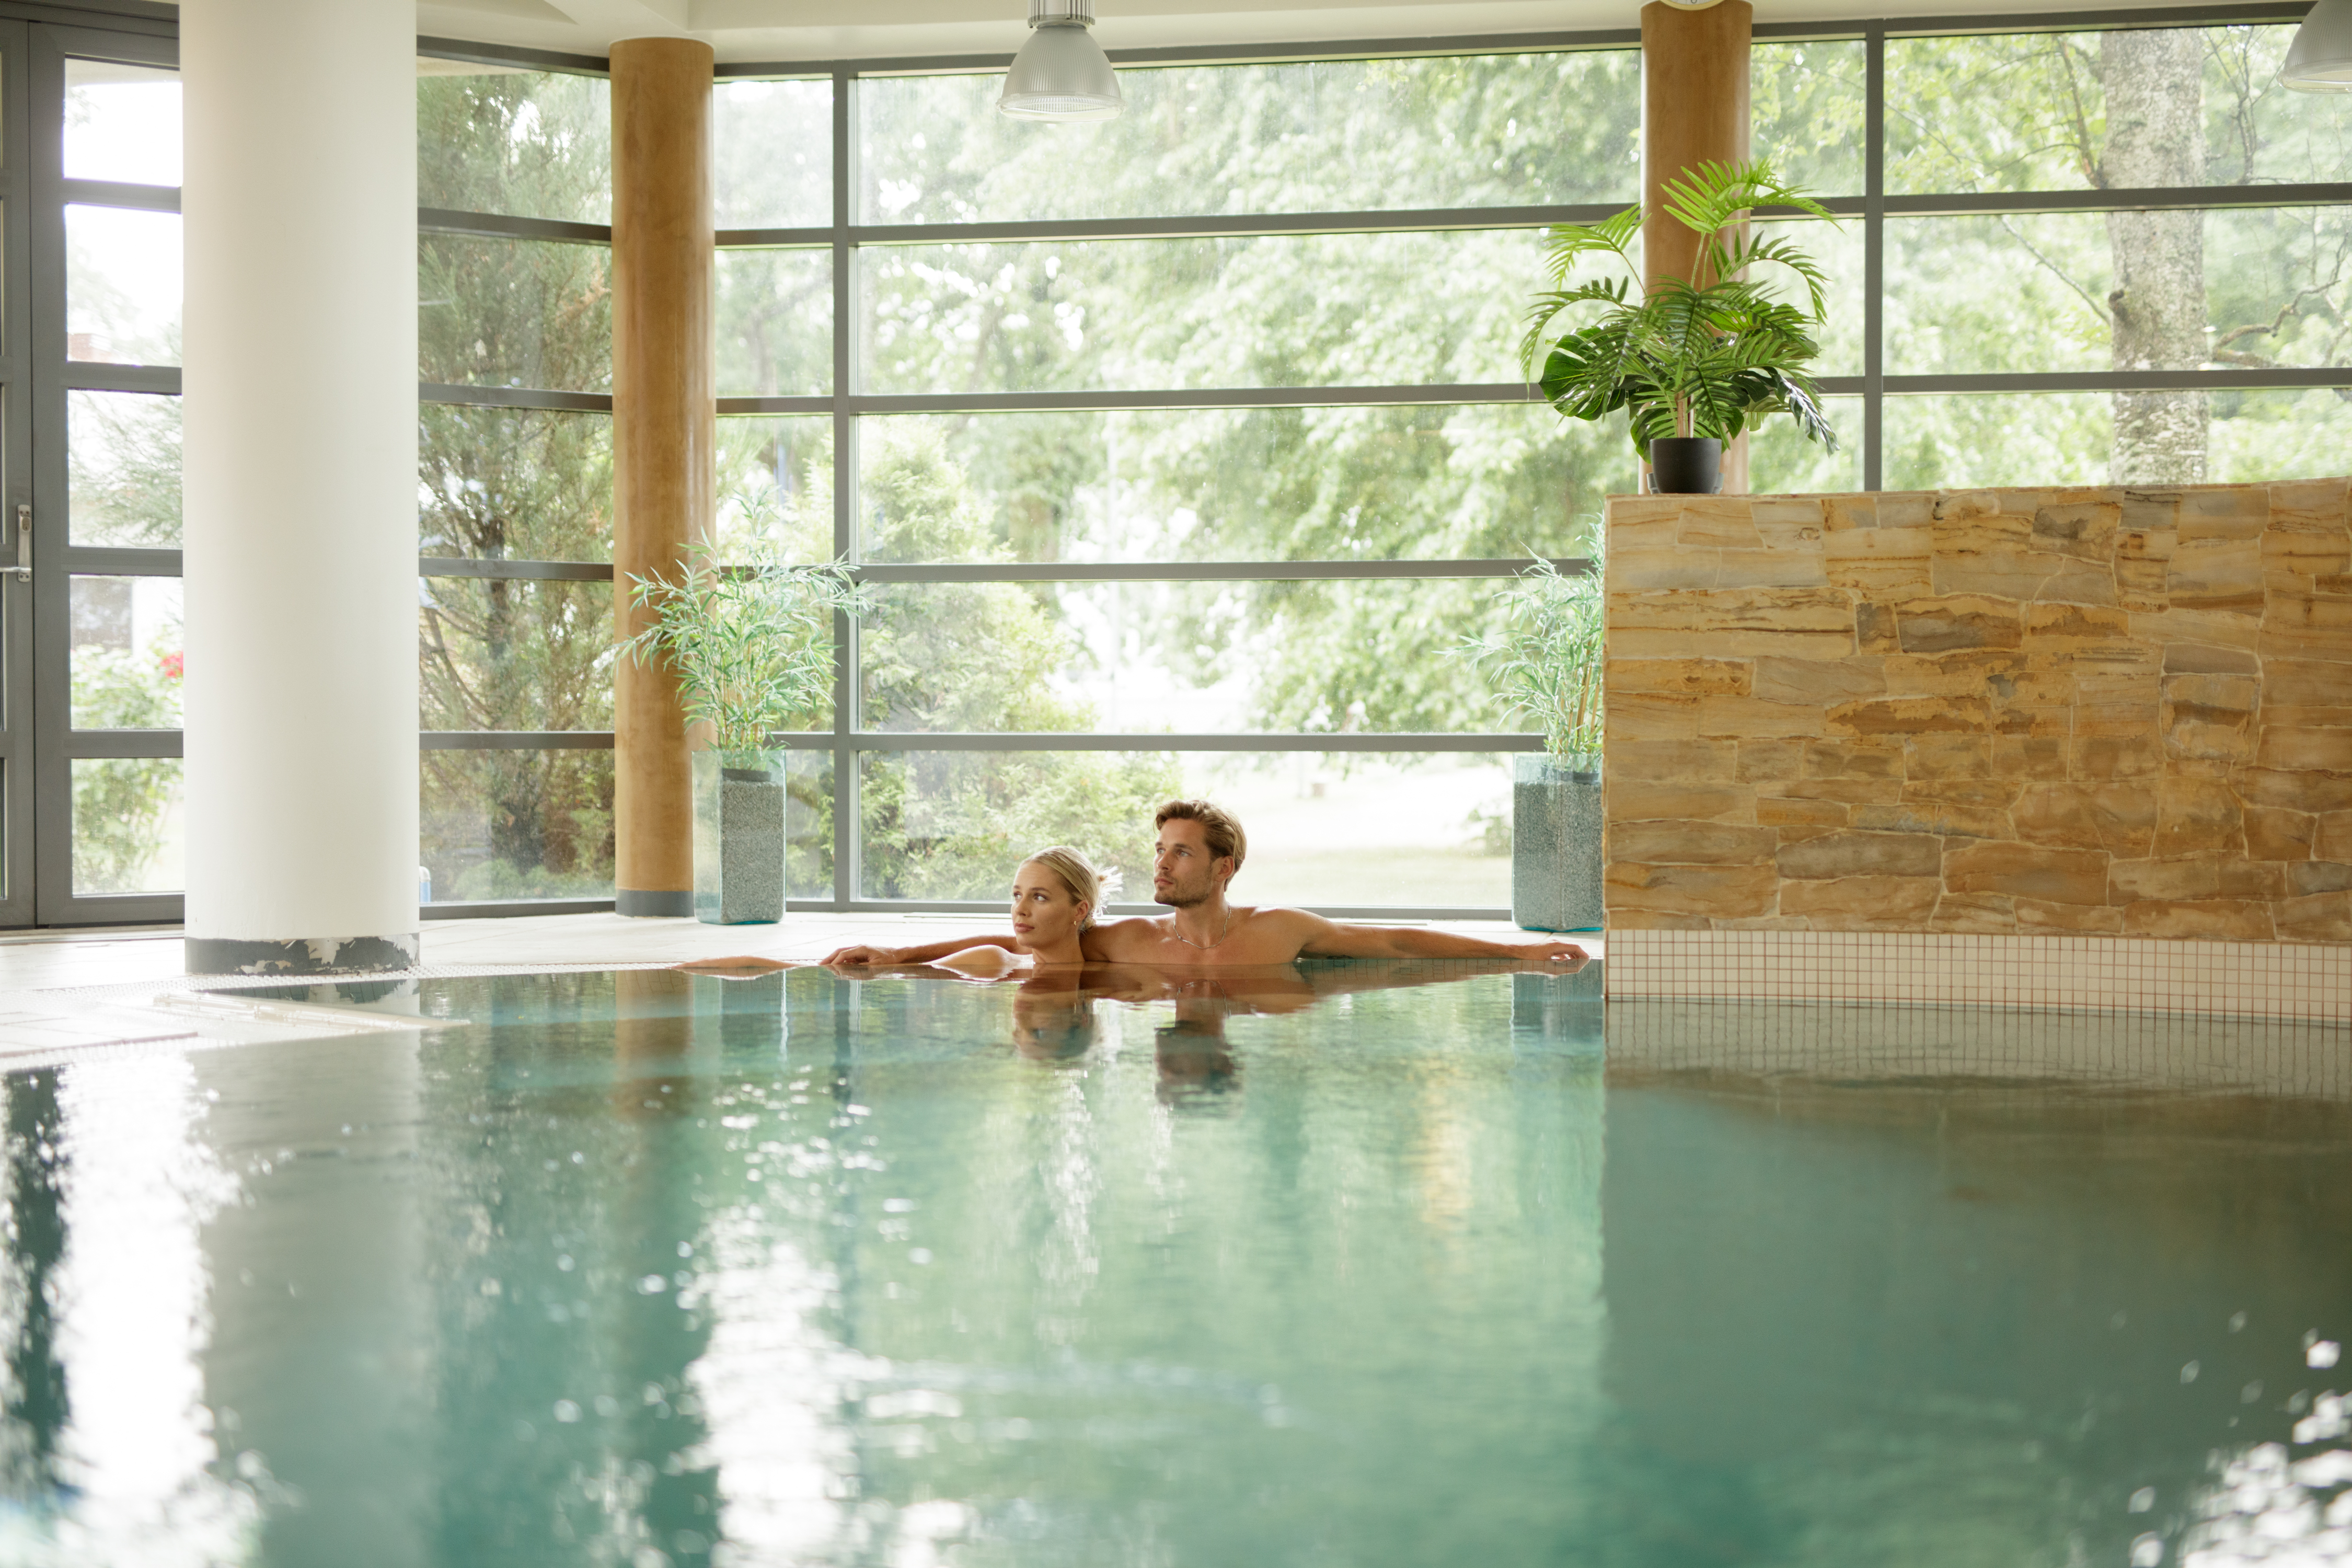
2114	711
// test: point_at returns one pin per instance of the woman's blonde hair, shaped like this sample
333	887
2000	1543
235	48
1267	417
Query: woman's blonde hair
1077	873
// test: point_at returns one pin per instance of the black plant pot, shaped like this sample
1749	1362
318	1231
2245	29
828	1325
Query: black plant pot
1685	465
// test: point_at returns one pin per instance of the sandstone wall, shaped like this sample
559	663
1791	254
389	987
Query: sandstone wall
2118	711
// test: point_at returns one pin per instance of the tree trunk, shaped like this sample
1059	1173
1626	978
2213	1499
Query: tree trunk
2155	136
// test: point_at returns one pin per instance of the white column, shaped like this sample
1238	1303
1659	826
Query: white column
301	483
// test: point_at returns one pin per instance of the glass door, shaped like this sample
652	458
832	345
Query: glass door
105	497
18	818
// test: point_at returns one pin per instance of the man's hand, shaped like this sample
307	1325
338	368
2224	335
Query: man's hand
1552	951
862	957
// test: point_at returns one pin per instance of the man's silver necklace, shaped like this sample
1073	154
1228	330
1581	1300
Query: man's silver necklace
1205	947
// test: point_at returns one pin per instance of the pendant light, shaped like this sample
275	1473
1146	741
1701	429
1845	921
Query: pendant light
2320	59
1061	73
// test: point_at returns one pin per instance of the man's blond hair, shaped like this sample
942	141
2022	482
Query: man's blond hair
1224	835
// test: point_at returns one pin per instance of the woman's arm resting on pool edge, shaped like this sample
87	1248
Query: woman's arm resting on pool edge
1334	939
862	957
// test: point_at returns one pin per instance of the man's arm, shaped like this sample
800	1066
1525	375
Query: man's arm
862	957
1330	939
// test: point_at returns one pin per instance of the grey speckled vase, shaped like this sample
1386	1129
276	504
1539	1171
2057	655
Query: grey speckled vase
1556	842
738	837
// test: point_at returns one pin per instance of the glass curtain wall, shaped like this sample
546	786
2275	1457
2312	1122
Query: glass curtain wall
1178	454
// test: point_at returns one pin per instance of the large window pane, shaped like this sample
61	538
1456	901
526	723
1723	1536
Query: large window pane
1199	657
506	313
128	836
518	825
1837	250
508	654
2039	111
1322	136
1334	828
1283	311
514	484
123	469
2066	438
775	322
1478	480
773	144
530	143
1781	461
775	485
122	286
2259	437
1806	104
124	643
2034	292
122	122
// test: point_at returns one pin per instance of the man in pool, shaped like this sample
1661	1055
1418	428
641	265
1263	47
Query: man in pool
1199	849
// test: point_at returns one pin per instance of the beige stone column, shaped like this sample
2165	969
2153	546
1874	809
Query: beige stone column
1694	110
665	426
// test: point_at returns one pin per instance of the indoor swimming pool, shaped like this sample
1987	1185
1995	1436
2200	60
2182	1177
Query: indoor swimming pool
1360	1264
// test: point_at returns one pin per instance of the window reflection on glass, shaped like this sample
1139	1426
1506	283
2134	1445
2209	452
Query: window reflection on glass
1462	131
528	143
1806	101
1475	480
2029	292
775	486
511	313
518	825
2044	111
514	484
1956	442
122	122
772	143
502	653
1781	461
128	834
123	469
774	309
1332	828
1280	310
124	641
1350	657
122	286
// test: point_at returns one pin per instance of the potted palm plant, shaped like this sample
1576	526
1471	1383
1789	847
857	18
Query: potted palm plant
752	646
1695	361
1544	663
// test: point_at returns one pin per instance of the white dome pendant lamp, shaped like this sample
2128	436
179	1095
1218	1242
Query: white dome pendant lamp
2320	59
1061	73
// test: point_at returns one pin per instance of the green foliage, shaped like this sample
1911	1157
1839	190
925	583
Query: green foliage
749	643
119	802
1546	660
124	470
1707	356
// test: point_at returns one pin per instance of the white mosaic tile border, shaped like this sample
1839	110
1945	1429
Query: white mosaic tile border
2234	979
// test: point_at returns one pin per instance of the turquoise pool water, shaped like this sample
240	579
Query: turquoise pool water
1365	1265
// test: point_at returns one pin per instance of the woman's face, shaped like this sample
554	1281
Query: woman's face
1043	910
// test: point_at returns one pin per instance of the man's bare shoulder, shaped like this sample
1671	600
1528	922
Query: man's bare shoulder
1107	936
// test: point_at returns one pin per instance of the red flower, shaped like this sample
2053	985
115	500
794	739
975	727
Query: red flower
174	665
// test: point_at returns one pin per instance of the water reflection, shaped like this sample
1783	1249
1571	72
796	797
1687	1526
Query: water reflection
1304	1265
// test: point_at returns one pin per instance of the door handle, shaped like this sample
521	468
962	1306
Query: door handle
22	570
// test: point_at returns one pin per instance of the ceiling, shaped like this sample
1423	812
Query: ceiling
757	30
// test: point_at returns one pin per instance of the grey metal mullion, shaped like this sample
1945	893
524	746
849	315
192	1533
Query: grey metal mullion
2134	198
515	739
536	397
1202	397
1215	54
2232	379
773	238
847	826
810	405
79	743
478	908
1209	571
472	52
527	571
92	376
122	194
21	820
113	561
1098	741
1874	261
2109	20
154	23
1222	225
507	226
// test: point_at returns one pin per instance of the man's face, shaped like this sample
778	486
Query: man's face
1183	872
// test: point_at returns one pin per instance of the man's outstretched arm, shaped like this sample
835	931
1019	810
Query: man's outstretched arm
1331	938
864	957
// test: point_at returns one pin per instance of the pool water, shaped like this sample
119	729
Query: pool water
1363	1264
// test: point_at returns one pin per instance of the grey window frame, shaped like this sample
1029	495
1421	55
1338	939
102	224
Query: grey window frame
847	741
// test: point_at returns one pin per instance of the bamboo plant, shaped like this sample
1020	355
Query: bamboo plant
751	645
1545	662
1707	356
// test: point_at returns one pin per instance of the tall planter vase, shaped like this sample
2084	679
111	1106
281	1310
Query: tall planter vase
738	837
1556	842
